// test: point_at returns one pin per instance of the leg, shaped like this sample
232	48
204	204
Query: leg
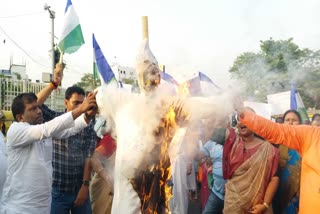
214	205
61	202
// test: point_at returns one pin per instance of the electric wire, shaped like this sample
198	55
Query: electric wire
23	50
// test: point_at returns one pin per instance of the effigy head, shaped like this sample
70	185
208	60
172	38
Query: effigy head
147	68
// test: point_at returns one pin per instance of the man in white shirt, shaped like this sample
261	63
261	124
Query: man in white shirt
29	148
3	159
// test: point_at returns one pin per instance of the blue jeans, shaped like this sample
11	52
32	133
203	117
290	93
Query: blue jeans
214	205
63	203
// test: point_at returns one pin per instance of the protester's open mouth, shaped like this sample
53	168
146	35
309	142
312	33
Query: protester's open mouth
242	127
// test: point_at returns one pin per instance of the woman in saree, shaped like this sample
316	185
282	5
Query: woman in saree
287	197
249	165
102	162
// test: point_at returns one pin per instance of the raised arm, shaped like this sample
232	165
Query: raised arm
289	135
27	134
79	124
46	91
205	107
21	134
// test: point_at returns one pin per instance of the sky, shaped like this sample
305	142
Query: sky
185	35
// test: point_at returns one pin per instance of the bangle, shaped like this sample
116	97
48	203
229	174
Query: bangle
266	205
53	85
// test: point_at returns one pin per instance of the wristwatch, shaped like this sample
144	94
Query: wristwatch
86	182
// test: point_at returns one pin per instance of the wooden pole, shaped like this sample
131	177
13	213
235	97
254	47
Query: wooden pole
145	30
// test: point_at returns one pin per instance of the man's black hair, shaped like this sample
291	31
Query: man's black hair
74	89
18	103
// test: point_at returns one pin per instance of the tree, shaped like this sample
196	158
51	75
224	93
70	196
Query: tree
128	81
275	67
87	82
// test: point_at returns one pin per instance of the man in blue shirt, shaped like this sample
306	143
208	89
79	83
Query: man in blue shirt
213	149
216	199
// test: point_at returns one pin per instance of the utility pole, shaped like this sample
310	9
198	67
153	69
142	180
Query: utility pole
52	16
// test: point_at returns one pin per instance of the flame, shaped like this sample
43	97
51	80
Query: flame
169	133
154	186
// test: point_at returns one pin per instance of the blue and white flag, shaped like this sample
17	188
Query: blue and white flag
205	78
297	104
193	86
101	64
167	77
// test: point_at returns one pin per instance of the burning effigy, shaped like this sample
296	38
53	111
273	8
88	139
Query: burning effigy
146	125
154	184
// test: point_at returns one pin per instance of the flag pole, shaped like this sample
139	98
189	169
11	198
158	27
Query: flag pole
93	69
61	55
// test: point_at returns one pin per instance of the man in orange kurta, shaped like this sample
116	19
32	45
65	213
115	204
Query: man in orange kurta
306	140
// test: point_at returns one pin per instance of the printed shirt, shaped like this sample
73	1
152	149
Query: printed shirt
215	151
306	140
69	155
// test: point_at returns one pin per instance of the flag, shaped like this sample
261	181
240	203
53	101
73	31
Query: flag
205	78
192	86
297	104
167	77
71	38
100	63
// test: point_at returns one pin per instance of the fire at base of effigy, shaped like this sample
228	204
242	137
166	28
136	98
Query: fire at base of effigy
154	184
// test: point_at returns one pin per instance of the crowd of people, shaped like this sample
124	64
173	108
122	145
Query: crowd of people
63	162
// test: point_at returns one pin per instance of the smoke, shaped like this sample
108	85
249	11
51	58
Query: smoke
137	117
259	75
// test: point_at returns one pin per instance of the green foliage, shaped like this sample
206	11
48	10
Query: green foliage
88	83
128	81
278	64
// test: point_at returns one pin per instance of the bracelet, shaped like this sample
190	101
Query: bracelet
266	205
53	85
